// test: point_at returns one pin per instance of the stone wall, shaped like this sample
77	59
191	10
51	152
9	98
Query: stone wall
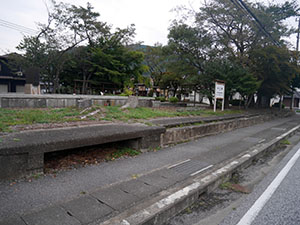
61	101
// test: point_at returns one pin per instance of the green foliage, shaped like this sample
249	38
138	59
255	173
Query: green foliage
161	98
220	42
285	142
226	185
122	153
274	67
12	117
127	92
173	99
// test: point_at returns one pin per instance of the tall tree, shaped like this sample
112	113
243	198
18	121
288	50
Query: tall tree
67	27
274	67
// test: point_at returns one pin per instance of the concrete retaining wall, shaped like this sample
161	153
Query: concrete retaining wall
61	101
182	134
26	156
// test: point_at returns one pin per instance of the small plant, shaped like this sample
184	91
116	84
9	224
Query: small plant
36	176
161	98
173	99
126	92
121	153
226	185
285	142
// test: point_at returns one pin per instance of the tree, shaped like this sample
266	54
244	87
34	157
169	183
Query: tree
273	66
220	39
156	60
236	32
114	62
237	80
67	27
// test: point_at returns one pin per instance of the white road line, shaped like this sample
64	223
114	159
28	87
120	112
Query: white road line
248	218
203	169
179	163
261	141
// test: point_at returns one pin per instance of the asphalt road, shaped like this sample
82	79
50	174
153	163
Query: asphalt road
24	196
276	200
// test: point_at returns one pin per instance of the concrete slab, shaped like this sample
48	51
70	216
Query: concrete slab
162	178
139	188
118	200
50	216
13	221
139	135
87	209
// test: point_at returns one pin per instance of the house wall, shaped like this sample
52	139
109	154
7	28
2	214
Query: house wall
9	81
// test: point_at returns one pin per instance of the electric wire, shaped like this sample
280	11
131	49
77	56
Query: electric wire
17	27
259	24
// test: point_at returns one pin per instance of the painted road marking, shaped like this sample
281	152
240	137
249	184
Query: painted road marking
251	214
203	169
177	164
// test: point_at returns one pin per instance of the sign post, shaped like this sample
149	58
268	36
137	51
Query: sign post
219	93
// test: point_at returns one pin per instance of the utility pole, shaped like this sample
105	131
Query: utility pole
298	35
297	56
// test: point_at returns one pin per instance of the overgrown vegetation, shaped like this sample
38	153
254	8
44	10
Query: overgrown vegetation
13	117
122	153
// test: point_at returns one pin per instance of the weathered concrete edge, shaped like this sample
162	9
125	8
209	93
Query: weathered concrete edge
160	211
194	120
188	133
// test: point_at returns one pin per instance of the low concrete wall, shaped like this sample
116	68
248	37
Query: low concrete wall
22	153
182	134
61	101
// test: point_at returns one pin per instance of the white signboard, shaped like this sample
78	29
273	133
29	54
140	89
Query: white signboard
219	94
219	90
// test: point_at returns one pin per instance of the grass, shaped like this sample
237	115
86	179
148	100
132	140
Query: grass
13	117
285	142
122	153
115	112
226	185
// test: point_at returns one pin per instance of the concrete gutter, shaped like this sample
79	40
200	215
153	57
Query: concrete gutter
171	202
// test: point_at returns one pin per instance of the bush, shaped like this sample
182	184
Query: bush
162	99
127	92
150	94
173	100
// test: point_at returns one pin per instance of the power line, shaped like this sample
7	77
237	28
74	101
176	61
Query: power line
298	36
243	6
17	27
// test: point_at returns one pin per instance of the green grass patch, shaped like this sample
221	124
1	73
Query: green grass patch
121	153
285	142
226	185
115	112
13	117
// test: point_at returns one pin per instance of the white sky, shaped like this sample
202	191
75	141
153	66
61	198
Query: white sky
151	17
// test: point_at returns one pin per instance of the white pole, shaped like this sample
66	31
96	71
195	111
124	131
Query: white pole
215	104
223	102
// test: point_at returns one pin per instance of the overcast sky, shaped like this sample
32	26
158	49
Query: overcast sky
151	17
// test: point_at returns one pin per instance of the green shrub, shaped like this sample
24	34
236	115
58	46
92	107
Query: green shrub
162	99
173	100
127	92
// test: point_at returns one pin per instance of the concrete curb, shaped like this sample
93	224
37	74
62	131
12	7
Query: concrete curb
171	202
